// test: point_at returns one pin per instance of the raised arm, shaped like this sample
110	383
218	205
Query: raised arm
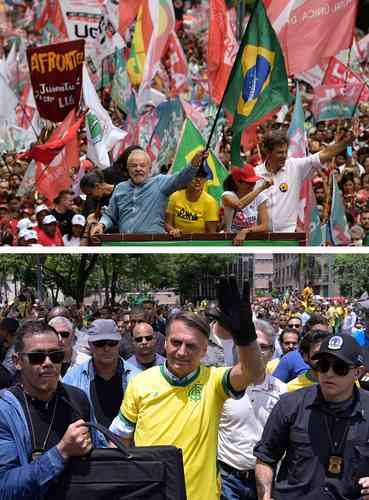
236	317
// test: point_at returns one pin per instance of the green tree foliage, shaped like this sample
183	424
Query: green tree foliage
351	272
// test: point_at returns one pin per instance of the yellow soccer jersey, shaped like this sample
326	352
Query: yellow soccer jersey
272	365
184	415
191	216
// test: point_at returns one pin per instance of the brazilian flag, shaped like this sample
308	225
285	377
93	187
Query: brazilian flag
190	143
258	82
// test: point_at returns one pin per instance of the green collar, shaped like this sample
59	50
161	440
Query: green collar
176	381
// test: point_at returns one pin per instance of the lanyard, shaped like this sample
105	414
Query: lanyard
335	459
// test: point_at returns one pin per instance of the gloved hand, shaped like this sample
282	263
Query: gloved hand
235	312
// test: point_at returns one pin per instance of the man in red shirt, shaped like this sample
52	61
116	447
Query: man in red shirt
49	234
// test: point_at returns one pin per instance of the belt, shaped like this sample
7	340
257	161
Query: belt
247	475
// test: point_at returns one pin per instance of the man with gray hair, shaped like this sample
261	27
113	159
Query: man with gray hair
242	423
65	328
138	205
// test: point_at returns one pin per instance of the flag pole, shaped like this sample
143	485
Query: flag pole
240	48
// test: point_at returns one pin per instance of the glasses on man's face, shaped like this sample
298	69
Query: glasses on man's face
64	334
39	357
339	367
103	343
293	325
148	338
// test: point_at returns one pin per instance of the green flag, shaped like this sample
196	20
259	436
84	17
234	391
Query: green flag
190	143
258	82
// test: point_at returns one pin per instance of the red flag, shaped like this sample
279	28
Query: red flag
176	65
57	176
339	74
62	136
310	31
128	10
222	49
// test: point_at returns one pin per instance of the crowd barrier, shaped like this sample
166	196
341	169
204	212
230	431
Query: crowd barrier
203	240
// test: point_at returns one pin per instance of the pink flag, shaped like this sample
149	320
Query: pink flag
311	31
194	114
222	49
128	10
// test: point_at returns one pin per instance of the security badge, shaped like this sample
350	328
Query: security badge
335	343
335	464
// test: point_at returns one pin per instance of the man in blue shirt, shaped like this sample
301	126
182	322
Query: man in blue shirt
138	205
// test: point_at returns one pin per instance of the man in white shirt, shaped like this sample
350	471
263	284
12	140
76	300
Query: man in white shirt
288	175
242	423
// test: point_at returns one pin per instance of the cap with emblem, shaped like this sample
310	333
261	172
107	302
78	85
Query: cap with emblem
343	347
78	220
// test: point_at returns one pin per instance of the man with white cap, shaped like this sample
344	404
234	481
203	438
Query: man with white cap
74	236
105	376
41	211
49	234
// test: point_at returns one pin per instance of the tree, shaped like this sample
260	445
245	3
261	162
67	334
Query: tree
351	272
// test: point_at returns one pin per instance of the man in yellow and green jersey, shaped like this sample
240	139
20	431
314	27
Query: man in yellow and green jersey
180	403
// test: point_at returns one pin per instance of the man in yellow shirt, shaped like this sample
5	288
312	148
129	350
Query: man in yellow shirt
192	210
180	403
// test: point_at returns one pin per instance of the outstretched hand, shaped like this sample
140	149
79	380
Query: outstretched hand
235	311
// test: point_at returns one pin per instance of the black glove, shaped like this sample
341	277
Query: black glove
235	313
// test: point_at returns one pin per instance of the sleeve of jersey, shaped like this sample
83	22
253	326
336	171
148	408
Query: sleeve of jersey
225	383
124	423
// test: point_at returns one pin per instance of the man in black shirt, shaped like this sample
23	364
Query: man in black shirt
321	432
63	212
103	378
41	420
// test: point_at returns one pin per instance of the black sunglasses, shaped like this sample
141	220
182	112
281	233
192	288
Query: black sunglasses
148	338
293	325
339	367
137	321
38	357
103	343
64	335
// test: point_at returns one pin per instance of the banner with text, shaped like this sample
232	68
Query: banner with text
56	76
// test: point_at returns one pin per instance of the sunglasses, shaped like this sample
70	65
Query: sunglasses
138	340
293	325
64	335
103	343
38	357
137	321
339	367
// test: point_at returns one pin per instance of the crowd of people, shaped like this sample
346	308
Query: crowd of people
266	399
262	195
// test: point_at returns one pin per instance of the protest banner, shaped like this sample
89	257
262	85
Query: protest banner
56	76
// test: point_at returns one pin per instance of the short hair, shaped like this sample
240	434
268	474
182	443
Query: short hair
266	328
359	229
61	319
288	330
61	195
192	320
91	180
275	138
137	309
30	328
311	338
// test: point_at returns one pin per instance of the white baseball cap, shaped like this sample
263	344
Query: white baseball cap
24	223
41	208
49	219
78	220
22	233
